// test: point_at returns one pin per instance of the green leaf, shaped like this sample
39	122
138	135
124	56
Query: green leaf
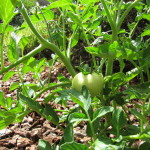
68	133
32	104
146	33
95	124
8	75
145	146
6	11
103	143
23	42
9	28
87	1
74	17
138	115
50	114
102	111
26	69
118	119
48	14
131	74
2	99
14	86
7	121
62	4
139	90
105	50
5	102
146	16
77	117
16	2
9	101
44	145
83	99
13	50
73	146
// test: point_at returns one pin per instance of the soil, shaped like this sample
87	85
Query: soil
26	135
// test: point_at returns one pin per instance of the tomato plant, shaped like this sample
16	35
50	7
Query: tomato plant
98	27
94	83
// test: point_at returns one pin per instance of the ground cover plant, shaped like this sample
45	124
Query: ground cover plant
100	93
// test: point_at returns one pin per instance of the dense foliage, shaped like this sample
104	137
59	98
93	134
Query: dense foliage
101	29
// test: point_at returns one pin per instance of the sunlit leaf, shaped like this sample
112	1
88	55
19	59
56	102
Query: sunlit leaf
6	11
102	111
73	146
43	145
8	75
14	85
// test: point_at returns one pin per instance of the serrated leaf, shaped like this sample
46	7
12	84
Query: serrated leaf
68	133
102	111
50	114
44	145
2	99
32	104
77	117
13	51
138	114
7	121
83	98
73	146
131	74
49	15
105	50
146	33
104	143
6	11
14	86
8	75
74	17
62	4
118	119
5	102
26	69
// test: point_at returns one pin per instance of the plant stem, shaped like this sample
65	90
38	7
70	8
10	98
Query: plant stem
143	113
120	21
32	53
119	10
48	26
22	82
133	29
140	71
1	51
112	24
47	44
102	62
70	42
91	126
109	67
136	137
64	34
148	72
49	87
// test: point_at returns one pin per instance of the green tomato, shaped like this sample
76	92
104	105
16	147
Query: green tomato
94	83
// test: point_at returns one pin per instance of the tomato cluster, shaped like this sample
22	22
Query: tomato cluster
94	83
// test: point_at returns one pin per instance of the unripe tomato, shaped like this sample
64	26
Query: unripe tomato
94	83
